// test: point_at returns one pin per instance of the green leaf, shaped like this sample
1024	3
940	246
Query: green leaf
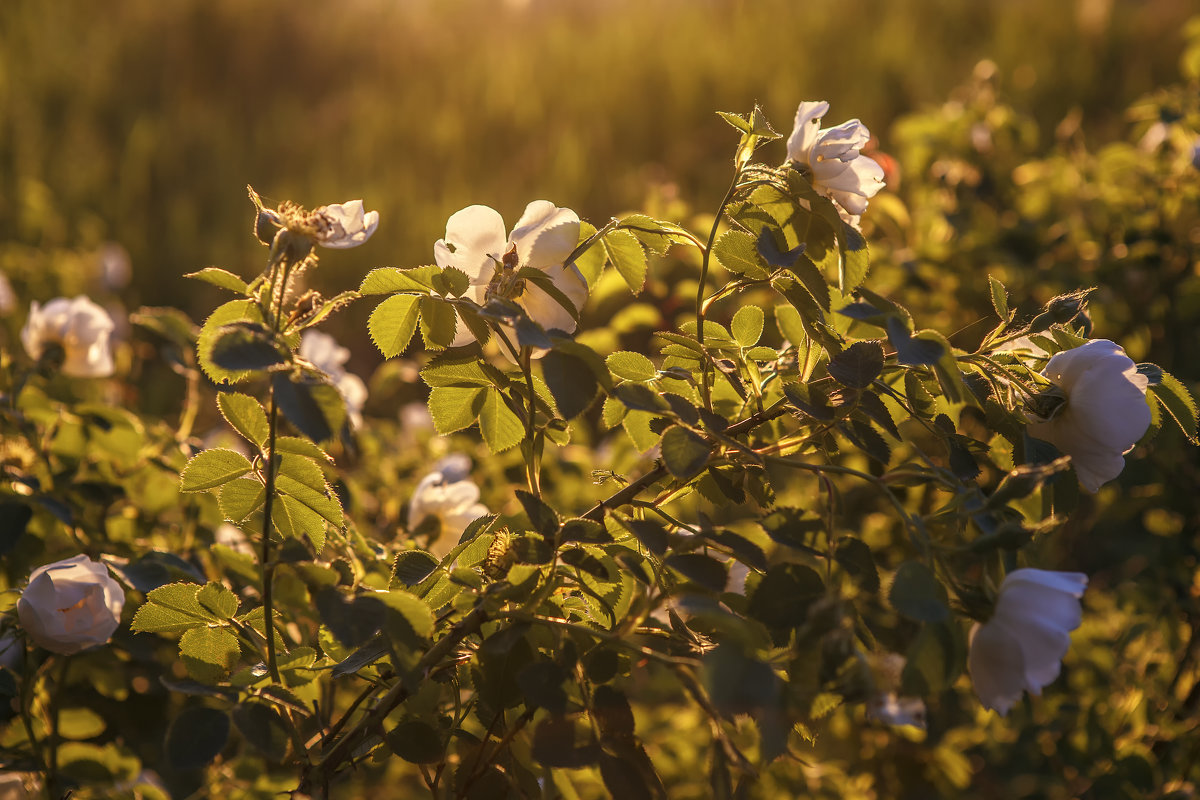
631	366
245	415
80	723
414	610
651	534
858	365
738	252
209	653
323	501
700	569
393	323
855	557
451	282
416	741
293	519
460	371
1178	402
247	346
301	447
501	428
241	498
212	468
999	297
655	234
785	594
196	737
684	452
913	350
389	279
310	403
747	325
231	312
917	594
413	566
625	252
438	323
218	600
454	408
172	608
220	277
571	382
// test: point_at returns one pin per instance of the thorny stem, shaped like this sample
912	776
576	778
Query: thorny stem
268	568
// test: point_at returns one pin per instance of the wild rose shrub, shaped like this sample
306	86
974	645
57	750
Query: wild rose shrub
721	559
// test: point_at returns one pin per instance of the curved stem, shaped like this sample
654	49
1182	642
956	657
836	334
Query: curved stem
705	373
532	465
268	567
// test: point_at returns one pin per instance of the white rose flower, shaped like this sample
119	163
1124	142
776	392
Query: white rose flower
1105	412
324	353
80	327
543	239
345	225
1022	646
71	605
454	503
839	170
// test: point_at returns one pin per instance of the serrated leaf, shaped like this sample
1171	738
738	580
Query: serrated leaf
855	557
301	447
917	594
700	569
263	728
413	566
247	346
460	371
571	383
911	350
500	426
240	498
631	366
655	234
212	468
233	311
393	323
172	608
625	252
684	452
747	325
454	408
310	403
245	415
738	252
652	535
1178	402
220	277
438	323
999	297
389	279
294	519
209	653
218	600
858	365
416	612
323	502
785	594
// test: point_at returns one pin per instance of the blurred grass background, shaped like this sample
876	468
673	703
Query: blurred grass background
141	122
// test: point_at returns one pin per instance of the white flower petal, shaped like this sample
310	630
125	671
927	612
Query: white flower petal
805	129
548	312
346	224
545	235
997	667
474	242
82	328
71	605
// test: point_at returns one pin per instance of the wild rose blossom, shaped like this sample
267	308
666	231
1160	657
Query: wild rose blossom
344	225
71	605
1105	411
324	353
80	327
543	238
455	504
1022	646
832	155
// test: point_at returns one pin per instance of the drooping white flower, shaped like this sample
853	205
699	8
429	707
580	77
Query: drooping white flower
80	327
1022	646
1105	412
455	504
344	225
543	239
832	155
71	605
323	352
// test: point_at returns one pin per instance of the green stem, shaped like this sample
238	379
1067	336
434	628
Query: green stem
268	567
532	465
705	372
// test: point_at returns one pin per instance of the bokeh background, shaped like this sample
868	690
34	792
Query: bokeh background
140	122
